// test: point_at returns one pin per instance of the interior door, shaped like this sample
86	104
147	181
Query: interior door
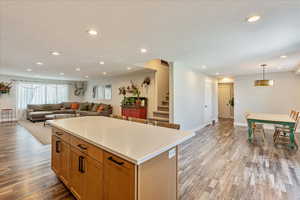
225	95
208	102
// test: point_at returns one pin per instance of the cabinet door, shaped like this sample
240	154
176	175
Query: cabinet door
94	180
119	179
55	154
77	173
64	162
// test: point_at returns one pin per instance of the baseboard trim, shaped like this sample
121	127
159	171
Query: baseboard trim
203	125
266	126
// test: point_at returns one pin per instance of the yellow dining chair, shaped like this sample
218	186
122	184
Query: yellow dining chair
282	135
257	127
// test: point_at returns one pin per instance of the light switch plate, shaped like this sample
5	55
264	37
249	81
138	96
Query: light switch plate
172	153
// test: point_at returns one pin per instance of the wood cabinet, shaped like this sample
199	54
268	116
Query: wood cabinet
137	112
94	174
118	178
60	158
77	173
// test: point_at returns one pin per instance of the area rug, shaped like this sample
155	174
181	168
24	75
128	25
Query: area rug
37	130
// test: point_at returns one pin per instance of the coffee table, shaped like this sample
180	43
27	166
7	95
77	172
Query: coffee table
58	116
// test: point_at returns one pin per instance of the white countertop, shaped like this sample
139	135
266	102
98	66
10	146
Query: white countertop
132	141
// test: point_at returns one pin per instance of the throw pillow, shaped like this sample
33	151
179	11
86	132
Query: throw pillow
74	106
100	108
95	107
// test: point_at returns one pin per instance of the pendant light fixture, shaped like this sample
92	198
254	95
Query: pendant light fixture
263	81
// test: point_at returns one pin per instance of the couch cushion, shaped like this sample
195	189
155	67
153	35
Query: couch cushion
39	114
66	111
51	106
67	105
88	113
35	107
84	106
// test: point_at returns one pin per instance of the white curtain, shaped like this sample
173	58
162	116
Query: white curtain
39	93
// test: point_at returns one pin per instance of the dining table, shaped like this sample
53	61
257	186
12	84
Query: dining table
276	119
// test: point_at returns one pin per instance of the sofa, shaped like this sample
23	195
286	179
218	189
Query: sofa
38	112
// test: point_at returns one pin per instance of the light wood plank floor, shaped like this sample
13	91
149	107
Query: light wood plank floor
216	164
219	163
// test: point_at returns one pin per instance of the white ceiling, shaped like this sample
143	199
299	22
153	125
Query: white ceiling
212	33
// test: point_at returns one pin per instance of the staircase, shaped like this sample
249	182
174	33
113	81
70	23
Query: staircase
162	112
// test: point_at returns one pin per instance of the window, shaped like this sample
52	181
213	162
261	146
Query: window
101	92
40	93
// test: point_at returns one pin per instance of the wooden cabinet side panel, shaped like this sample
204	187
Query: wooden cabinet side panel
157	178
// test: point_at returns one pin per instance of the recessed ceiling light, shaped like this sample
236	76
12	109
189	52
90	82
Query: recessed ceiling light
283	56
55	53
61	73
128	68
104	73
143	50
217	73
86	76
92	32
77	69
29	70
39	63
203	66
253	18
101	62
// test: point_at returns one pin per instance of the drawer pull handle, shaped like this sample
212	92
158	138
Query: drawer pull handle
82	147
57	146
58	133
117	162
81	164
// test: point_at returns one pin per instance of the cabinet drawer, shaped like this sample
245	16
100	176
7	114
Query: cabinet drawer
61	134
111	159
91	150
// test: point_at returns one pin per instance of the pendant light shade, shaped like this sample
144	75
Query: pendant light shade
263	81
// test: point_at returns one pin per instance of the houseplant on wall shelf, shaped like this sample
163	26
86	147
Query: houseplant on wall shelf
5	87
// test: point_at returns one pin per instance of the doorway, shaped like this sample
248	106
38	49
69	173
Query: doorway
226	100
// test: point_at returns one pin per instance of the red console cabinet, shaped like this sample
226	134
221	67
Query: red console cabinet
137	112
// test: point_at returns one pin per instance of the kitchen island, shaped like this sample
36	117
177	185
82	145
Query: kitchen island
111	159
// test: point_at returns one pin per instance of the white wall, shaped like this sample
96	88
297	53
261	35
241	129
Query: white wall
162	80
189	96
280	99
121	81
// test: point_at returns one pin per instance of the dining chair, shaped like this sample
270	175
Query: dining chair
168	125
282	135
257	127
133	119
118	117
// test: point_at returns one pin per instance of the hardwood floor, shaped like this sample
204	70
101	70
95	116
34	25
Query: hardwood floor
218	163
25	171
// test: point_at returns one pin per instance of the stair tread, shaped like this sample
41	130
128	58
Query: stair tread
163	106
159	119
161	112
